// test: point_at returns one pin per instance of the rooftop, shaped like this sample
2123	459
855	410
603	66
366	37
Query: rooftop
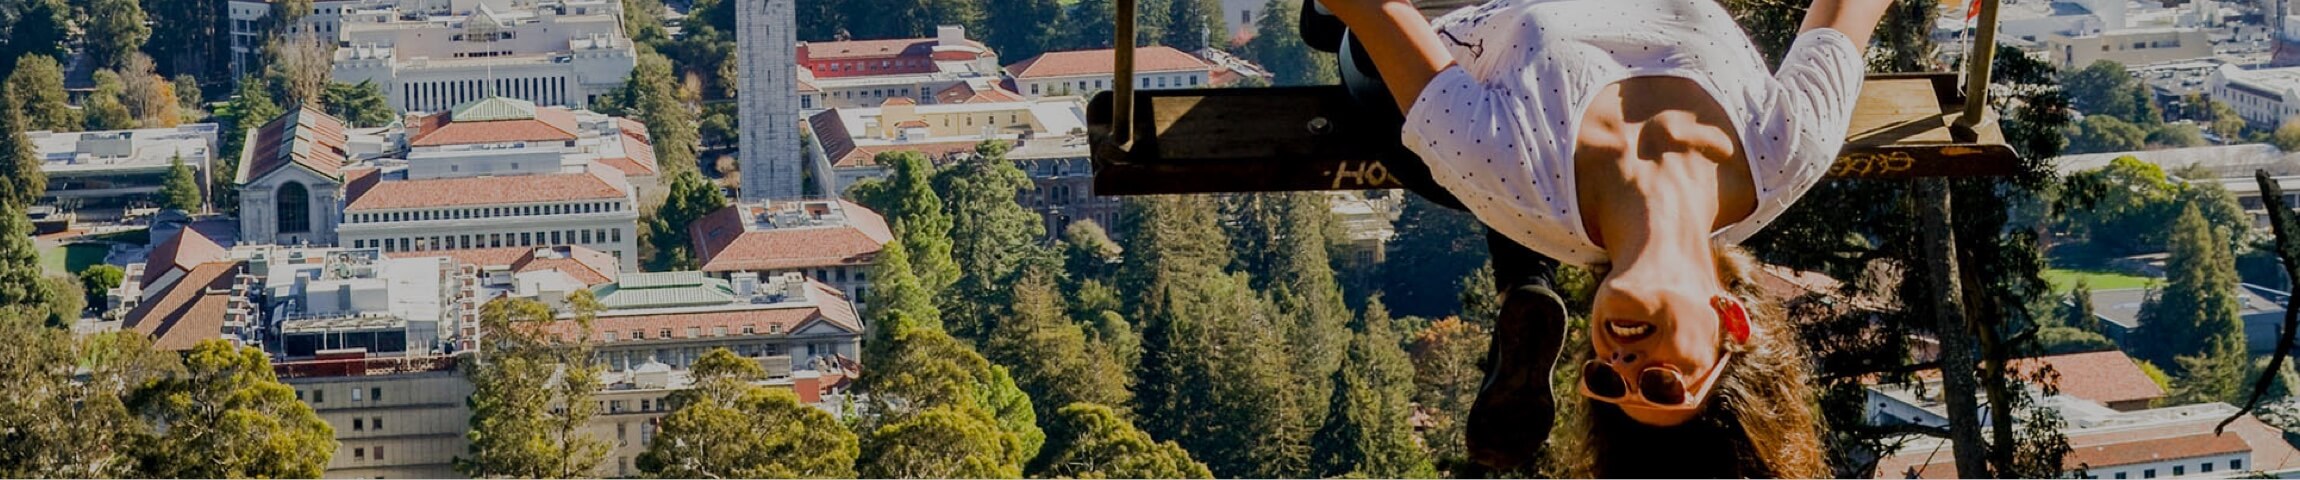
2141	437
664	290
304	137
819	304
145	149
592	267
789	235
1102	62
600	183
493	120
190	310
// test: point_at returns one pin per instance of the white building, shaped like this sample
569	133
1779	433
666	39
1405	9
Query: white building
852	138
395	213
1084	72
555	54
291	179
2264	97
120	168
765	38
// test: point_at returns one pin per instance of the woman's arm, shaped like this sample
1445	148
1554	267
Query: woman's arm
1401	42
1857	19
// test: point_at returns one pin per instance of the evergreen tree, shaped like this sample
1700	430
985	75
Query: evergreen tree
38	27
1446	380
188	97
181	190
2080	313
114	29
2217	375
1086	24
20	269
1087	251
360	105
653	97
941	410
908	200
727	426
532	396
228	416
1021	29
1214	370
1434	245
37	89
1370	432
104	110
1193	25
250	108
999	235
690	198
98	279
1277	46
1052	358
1297	273
943	442
2197	311
1094	441
69	418
21	180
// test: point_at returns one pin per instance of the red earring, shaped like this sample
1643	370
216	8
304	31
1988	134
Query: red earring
1733	316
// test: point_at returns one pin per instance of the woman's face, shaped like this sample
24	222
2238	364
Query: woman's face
1657	321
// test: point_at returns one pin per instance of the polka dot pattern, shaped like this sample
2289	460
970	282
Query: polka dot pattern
1505	117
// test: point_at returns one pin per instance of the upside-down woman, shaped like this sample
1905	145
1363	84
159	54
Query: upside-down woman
1644	138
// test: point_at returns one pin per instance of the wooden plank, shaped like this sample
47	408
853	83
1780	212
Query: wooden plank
1312	138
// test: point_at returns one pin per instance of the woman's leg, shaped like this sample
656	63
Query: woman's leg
1510	421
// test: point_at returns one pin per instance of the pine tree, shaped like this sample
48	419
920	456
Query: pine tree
21	180
897	303
1021	29
115	29
1434	246
915	211
37	89
1446	380
532	396
1370	432
2080	313
941	410
1086	25
228	416
360	105
689	197
1300	278
1193	25
652	96
1094	441
999	235
181	191
1052	358
19	260
2196	312
1214	370
1277	45
727	426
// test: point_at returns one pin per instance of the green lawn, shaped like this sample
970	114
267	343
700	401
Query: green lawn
2063	280
70	259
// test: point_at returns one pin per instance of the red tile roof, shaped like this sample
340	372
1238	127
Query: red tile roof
191	310
726	246
1103	62
520	189
2106	376
187	250
830	132
592	267
549	124
829	307
638	158
964	92
2186	438
304	136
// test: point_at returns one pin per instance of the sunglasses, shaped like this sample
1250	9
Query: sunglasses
1663	387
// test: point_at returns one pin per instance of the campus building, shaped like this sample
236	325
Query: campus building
112	170
1085	72
2264	97
851	139
549	53
291	179
864	73
835	242
766	37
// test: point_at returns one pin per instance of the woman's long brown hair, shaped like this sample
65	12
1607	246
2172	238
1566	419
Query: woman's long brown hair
1759	422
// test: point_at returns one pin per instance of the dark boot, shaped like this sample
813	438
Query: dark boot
1510	421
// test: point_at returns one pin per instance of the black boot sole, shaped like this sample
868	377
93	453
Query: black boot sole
1510	421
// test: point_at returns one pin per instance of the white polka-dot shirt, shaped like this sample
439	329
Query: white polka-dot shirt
1498	129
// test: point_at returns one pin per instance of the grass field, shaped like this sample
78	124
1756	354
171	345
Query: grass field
2063	280
69	259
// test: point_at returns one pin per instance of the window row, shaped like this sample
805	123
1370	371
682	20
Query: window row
491	212
497	240
319	395
611	336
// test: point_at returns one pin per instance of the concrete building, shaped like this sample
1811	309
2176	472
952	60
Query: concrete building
830	241
773	164
112	170
1064	178
2264	97
2131	46
675	317
501	136
392	212
559	53
1085	72
291	179
333	299
395	416
852	138
863	73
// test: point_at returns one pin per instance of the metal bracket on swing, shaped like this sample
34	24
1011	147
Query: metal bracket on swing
1904	126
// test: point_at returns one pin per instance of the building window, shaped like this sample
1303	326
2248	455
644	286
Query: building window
2120	475
294	205
663	333
2235	464
2206	467
378	452
2178	470
375	423
358	424
359	454
694	332
2149	473
355	394
375	394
